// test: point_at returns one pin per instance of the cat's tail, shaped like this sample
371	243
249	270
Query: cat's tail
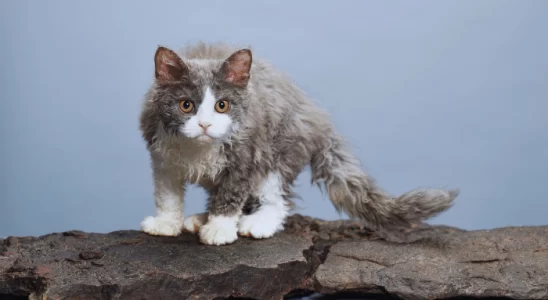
351	190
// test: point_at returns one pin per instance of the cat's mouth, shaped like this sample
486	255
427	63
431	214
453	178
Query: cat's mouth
204	138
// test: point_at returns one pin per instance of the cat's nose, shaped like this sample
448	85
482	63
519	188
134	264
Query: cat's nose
204	125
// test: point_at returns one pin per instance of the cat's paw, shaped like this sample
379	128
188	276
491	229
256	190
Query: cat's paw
165	225
259	226
194	223
219	230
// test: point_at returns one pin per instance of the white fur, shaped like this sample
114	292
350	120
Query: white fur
218	124
195	222
269	218
219	230
168	197
164	224
186	159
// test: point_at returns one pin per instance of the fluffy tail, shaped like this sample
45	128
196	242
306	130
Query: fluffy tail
351	190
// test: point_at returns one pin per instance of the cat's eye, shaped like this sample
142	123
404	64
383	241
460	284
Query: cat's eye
222	106
186	106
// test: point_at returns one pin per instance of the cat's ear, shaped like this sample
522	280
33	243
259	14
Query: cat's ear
235	69
169	67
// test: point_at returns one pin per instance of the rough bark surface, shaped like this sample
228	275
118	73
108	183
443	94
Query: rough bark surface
311	255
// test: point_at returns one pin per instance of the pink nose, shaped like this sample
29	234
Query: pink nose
204	126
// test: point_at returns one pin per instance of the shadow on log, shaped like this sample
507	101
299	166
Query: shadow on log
335	260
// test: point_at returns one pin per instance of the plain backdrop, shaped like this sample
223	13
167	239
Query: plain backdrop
429	93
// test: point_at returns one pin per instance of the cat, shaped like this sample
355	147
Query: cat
240	128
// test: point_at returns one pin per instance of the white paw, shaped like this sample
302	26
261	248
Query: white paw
259	225
167	225
219	230
193	223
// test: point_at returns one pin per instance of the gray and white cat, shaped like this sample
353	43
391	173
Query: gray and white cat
243	131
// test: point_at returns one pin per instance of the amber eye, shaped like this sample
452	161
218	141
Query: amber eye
186	106
222	106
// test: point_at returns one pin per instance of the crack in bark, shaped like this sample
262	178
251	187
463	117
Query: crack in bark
481	261
485	278
365	260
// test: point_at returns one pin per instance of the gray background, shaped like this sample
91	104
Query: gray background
430	93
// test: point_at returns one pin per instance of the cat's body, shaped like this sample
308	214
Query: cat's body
244	131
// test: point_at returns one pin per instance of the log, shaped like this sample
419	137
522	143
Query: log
310	256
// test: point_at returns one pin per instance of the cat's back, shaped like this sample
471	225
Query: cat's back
264	73
277	98
202	50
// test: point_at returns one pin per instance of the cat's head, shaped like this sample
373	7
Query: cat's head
203	100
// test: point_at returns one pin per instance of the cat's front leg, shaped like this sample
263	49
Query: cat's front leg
168	196
224	211
272	208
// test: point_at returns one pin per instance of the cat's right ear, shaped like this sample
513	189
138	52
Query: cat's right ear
169	67
236	68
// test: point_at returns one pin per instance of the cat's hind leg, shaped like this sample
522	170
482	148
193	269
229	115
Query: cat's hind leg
193	223
273	209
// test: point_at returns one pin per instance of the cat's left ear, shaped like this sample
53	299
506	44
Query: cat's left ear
235	69
169	68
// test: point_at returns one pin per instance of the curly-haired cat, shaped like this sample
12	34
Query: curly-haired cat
243	130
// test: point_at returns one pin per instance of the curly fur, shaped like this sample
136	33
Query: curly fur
277	129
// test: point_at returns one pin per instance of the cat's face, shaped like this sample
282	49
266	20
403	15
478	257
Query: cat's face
202	101
209	118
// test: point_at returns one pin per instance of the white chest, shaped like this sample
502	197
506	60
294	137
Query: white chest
195	162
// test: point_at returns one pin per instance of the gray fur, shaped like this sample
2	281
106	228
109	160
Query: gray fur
280	130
